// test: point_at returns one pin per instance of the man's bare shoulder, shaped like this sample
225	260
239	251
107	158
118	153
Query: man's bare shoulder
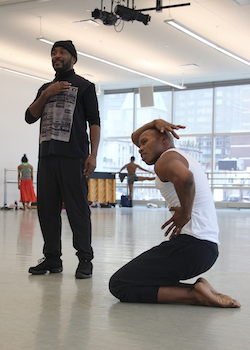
170	155
166	156
167	162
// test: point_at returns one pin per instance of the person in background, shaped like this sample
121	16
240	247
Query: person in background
132	177
66	107
157	275
25	183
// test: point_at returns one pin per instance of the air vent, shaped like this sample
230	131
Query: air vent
189	66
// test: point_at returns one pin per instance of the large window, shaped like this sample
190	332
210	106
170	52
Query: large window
232	109
117	125
194	109
199	147
161	110
217	135
122	115
231	176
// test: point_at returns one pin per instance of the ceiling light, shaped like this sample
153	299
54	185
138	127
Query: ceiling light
86	23
119	66
242	2
45	41
189	32
23	74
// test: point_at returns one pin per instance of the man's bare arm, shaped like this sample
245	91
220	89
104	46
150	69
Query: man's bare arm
173	167
90	163
124	167
158	124
148	171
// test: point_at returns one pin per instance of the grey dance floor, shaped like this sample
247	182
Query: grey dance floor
58	312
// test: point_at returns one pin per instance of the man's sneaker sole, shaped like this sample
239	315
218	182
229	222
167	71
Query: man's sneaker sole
42	272
80	275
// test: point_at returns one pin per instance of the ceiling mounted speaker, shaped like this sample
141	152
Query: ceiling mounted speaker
146	95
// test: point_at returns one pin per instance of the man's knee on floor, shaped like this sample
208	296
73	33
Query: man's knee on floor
118	289
114	287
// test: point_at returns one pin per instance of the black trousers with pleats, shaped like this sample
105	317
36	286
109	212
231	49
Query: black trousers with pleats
167	264
60	179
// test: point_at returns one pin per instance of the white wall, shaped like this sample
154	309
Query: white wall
16	136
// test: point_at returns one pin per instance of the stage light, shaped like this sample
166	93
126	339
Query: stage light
128	14
108	18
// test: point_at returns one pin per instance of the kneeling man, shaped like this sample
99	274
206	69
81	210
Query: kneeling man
192	248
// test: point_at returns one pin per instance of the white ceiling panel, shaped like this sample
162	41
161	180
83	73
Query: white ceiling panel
155	49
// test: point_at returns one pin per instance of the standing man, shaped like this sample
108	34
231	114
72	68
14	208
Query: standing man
64	107
132	177
155	276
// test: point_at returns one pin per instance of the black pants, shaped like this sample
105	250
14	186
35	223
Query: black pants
60	179
181	258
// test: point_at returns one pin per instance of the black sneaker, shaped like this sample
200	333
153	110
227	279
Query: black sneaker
84	269
45	265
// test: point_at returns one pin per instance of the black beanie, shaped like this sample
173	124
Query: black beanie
66	44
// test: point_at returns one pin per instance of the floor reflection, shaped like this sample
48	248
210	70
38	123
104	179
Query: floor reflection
27	223
58	312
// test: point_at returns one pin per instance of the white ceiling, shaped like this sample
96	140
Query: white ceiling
156	49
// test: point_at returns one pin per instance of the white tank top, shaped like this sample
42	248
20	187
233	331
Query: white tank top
203	223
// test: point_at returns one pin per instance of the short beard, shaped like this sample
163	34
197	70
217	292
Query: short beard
66	67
